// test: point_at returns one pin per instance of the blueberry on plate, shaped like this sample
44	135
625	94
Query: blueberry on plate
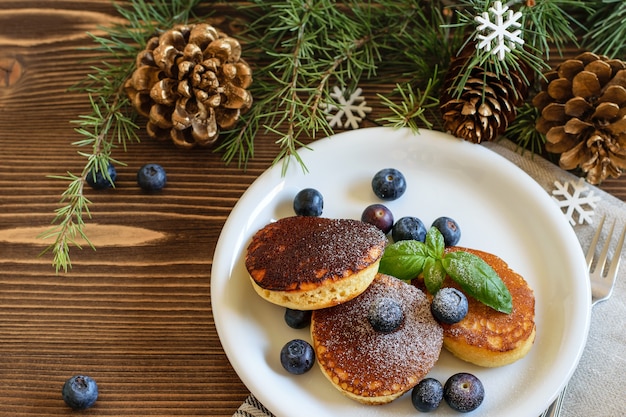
378	215
98	181
427	395
297	356
463	392
80	392
449	305
385	315
389	184
408	228
449	229
151	177
308	202
297	319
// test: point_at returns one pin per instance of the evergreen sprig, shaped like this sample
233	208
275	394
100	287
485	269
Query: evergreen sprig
306	45
300	49
607	30
414	108
111	121
523	131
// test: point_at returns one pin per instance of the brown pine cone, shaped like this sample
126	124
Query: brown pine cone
583	115
486	105
190	82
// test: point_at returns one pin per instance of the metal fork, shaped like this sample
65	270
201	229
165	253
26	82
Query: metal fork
602	283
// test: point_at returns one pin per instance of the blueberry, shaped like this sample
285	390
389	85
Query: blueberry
98	181
389	184
463	392
80	392
408	228
449	305
297	356
297	319
151	177
378	215
385	315
449	229
427	395
308	202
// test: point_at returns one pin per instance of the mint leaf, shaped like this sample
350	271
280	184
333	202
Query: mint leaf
404	259
434	274
435	243
478	280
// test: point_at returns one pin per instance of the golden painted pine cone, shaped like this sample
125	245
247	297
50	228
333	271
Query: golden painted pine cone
487	104
583	115
190	82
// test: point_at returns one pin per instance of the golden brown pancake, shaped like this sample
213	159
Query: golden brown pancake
485	336
370	366
308	263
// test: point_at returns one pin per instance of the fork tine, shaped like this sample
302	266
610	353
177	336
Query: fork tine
604	253
594	242
617	254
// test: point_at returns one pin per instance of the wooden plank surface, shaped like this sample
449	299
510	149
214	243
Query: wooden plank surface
135	314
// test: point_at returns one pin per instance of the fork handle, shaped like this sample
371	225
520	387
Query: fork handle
555	408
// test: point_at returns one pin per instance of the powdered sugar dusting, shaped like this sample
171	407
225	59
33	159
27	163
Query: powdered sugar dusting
299	250
399	358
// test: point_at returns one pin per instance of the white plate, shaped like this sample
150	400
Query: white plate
499	208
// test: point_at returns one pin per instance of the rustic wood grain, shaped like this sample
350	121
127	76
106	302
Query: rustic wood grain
135	314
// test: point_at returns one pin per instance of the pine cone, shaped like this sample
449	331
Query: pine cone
583	115
486	105
190	82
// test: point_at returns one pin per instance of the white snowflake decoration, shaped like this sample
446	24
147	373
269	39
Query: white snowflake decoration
499	38
354	108
576	200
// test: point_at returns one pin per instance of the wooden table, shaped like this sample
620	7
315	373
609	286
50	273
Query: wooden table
136	313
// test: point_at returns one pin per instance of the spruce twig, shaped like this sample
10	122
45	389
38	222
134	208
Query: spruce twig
412	110
551	24
607	30
523	131
108	120
111	120
310	43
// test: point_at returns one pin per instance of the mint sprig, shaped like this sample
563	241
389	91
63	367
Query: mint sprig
409	258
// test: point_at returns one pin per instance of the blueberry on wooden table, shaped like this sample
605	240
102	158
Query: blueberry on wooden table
151	177
99	181
80	392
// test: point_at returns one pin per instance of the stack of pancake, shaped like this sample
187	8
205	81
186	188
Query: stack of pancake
330	266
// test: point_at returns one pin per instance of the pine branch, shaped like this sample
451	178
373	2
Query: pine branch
523	132
412	110
550	24
310	43
607	30
111	121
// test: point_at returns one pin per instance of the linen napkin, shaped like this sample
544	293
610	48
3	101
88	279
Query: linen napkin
597	386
